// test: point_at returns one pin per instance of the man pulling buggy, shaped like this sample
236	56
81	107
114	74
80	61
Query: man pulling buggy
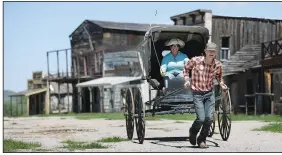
204	70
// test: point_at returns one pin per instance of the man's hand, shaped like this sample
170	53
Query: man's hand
186	84
224	87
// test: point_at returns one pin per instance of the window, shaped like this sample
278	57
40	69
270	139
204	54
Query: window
225	48
225	42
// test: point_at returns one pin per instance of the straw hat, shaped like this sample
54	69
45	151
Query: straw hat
175	41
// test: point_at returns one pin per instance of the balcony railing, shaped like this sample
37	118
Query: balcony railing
271	49
74	74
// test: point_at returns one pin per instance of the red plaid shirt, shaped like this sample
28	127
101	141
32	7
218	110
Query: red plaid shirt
203	74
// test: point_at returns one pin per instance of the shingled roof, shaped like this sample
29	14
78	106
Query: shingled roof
124	26
246	58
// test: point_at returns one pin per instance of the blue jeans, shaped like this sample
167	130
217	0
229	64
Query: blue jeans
204	107
171	76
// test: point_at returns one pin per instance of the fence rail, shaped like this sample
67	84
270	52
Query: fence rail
255	97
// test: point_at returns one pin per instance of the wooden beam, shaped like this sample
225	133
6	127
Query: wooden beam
275	61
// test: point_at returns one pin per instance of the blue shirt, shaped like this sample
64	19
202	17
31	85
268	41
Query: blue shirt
174	64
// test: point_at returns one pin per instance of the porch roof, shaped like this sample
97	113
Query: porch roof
107	81
246	58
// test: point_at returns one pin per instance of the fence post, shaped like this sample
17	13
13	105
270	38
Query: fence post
17	106
11	105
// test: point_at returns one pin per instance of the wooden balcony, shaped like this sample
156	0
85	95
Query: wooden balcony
70	77
271	54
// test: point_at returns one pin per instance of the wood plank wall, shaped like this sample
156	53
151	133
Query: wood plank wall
244	31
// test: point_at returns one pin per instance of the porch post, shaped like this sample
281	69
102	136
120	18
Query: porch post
22	105
91	100
59	98
11	105
17	105
27	105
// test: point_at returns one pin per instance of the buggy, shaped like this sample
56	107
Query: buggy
177	99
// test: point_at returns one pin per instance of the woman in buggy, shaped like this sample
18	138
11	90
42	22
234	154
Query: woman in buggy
173	63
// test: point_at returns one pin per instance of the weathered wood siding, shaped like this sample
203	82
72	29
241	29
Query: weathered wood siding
90	41
84	53
112	99
244	31
107	100
277	91
123	63
121	41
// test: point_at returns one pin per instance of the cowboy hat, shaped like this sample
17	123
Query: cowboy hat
211	46
175	41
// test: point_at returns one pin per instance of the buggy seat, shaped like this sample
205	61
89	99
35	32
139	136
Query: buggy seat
177	83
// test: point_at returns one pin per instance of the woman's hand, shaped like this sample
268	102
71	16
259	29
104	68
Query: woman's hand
163	71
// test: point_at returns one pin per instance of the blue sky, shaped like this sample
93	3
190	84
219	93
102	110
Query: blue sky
32	28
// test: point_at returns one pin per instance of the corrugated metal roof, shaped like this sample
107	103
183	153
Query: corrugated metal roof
107	81
244	59
36	91
28	92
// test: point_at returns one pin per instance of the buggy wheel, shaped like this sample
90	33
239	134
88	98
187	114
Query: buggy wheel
224	116
212	127
140	111
129	109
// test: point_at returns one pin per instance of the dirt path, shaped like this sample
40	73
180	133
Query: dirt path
161	136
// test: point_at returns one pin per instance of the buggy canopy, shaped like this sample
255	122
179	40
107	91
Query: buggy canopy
203	31
109	81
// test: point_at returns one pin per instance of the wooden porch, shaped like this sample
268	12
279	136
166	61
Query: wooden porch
270	95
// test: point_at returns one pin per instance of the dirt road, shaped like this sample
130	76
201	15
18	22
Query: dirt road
161	136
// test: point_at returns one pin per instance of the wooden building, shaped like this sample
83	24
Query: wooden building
239	48
93	45
271	62
36	99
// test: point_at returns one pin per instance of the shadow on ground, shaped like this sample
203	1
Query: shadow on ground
157	140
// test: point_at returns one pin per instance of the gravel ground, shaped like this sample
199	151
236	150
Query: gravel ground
161	136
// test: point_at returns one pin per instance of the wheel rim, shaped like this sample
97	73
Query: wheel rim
212	127
130	113
139	120
224	116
